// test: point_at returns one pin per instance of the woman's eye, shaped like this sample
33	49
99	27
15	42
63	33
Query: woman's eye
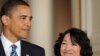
74	44
63	43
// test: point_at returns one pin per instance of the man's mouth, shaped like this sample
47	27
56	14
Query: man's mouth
27	30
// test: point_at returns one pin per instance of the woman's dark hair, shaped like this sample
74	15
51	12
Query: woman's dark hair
9	4
79	37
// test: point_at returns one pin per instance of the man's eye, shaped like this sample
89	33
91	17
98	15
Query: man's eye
23	18
30	19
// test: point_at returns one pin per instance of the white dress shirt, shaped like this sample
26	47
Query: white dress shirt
7	46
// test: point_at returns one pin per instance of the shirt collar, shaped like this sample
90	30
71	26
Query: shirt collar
7	44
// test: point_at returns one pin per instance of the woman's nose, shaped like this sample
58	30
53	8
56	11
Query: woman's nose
68	47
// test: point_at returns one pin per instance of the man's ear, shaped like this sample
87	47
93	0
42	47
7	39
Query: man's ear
5	19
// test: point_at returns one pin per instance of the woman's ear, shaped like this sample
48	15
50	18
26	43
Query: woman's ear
5	19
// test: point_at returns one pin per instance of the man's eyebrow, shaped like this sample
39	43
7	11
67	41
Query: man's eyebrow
26	16
23	16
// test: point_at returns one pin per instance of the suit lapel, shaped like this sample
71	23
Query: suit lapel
24	50
2	52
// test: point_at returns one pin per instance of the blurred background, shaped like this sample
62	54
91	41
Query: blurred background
51	17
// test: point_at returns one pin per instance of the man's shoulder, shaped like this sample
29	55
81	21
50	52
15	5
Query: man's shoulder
32	49
30	45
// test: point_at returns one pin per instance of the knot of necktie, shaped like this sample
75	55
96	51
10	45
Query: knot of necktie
14	47
13	52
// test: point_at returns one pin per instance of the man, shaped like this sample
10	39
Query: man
16	16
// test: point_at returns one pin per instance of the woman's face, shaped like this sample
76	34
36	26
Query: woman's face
68	48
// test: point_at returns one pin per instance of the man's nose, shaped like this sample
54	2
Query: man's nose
28	23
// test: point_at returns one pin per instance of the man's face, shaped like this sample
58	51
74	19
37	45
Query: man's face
19	22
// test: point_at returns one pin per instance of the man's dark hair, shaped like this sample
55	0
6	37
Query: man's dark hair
9	5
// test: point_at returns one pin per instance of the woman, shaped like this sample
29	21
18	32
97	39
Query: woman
73	42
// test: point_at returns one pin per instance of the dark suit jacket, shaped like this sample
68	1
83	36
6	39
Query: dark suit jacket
26	49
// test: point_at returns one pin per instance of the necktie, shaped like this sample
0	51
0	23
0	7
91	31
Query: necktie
13	52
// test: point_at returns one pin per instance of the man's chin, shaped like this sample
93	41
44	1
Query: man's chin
23	37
